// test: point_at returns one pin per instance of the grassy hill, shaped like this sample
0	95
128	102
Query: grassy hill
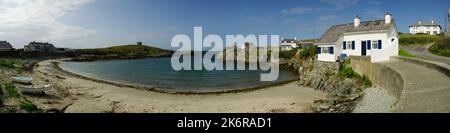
418	39
121	52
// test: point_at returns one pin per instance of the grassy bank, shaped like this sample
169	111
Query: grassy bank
121	52
12	94
441	47
405	53
418	39
11	63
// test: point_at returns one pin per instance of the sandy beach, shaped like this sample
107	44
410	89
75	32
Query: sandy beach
73	94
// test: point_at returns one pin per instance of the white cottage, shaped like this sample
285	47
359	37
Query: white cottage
288	44
430	28
377	39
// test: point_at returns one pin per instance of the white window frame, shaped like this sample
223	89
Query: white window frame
325	50
349	45
374	44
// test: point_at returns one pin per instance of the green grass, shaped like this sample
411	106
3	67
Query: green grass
441	47
11	90
347	72
405	53
12	63
29	107
418	39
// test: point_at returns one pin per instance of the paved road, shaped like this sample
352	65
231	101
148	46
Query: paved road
422	51
425	89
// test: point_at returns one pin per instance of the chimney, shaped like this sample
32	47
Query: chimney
432	21
420	21
357	21
388	18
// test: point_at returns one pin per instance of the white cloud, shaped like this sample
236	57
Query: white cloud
296	10
340	4
28	20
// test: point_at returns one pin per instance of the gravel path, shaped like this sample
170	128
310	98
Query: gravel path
375	101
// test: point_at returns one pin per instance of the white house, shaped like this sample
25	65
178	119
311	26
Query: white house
377	39
431	28
288	44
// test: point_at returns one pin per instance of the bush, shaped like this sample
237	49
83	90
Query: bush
308	52
366	81
441	47
288	54
347	72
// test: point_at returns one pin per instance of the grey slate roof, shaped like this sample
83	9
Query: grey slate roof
288	40
426	24
335	32
5	45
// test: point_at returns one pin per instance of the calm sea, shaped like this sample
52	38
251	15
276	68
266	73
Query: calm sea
158	72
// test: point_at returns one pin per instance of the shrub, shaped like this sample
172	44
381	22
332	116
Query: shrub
308	52
366	81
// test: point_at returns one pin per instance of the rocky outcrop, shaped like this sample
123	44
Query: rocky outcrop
324	76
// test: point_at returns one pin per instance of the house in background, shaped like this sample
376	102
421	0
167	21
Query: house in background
5	46
288	44
40	47
430	28
377	39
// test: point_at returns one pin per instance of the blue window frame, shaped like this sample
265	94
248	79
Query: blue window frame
368	45
319	50
353	45
344	45
379	44
331	49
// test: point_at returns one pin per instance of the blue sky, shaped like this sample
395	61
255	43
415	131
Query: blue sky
101	23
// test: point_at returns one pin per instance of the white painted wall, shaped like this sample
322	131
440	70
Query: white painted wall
389	47
327	56
425	29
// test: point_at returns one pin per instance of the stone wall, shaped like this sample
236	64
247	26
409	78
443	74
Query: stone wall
380	75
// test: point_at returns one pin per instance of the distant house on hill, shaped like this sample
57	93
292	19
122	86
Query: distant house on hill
430	28
40	47
377	39
288	44
5	46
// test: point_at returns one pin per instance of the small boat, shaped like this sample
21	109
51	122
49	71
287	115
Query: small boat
34	90
23	80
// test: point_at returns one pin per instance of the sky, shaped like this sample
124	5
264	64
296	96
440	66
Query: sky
104	23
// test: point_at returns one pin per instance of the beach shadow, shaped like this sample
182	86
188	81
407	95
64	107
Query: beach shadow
46	96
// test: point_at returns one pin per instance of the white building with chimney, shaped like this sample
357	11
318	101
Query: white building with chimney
377	39
288	44
430	28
